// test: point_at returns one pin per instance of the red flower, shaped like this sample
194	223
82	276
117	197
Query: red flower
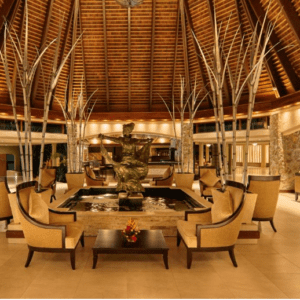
128	228
134	238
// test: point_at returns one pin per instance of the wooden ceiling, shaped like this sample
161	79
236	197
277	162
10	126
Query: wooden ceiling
131	56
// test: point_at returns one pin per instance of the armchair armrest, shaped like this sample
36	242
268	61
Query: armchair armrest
61	216
201	215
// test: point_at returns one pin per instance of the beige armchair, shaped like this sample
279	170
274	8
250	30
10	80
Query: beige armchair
267	190
49	181
5	210
208	180
216	228
75	180
165	181
297	185
90	178
46	230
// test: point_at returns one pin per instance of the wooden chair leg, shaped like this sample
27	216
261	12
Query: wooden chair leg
273	226
82	240
232	256
178	238
296	196
189	258
29	257
72	256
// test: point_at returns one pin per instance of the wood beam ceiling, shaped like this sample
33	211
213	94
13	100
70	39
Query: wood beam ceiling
175	50
185	49
42	46
291	16
275	41
8	12
129	59
152	53
105	54
270	66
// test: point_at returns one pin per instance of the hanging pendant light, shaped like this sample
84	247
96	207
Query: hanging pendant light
129	3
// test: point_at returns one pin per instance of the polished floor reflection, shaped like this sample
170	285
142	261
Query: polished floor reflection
270	269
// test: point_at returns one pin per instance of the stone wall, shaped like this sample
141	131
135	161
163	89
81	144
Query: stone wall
284	153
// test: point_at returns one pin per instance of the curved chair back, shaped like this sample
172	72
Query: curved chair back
75	180
90	178
5	210
48	177
267	190
168	181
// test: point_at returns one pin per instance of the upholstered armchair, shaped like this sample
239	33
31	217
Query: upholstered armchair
216	228
208	180
164	181
297	185
5	210
267	190
75	180
90	178
49	181
46	230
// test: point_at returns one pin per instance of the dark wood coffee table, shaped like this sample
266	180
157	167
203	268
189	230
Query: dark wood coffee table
111	241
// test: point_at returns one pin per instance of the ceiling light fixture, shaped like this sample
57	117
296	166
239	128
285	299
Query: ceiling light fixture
129	3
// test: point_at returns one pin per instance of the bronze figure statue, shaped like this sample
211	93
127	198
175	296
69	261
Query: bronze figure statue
133	166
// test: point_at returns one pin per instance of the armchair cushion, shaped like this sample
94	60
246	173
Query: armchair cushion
47	178
73	233
209	178
222	207
38	209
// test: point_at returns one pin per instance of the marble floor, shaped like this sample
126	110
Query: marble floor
270	269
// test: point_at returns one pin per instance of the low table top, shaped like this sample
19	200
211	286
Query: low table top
114	239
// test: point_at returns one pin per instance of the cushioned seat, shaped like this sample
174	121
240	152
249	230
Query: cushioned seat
215	228
208	180
46	230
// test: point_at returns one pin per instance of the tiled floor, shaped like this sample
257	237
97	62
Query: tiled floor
270	269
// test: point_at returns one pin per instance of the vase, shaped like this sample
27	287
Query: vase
184	180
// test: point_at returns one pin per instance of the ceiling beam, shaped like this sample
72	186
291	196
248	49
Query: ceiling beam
175	50
65	43
275	41
105	54
291	16
82	52
185	49
42	46
270	66
152	53
211	12
72	63
9	10
129	59
196	49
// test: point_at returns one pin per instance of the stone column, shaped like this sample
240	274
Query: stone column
207	153
263	155
201	157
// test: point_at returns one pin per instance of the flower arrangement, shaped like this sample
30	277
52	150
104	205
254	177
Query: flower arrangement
131	231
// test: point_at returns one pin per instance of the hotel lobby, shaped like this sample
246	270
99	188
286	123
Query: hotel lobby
105	105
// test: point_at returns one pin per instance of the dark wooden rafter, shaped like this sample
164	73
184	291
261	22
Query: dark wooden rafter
175	50
129	59
152	53
270	66
9	10
64	46
72	63
105	54
185	48
43	43
82	52
291	16
196	49
281	54
211	12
